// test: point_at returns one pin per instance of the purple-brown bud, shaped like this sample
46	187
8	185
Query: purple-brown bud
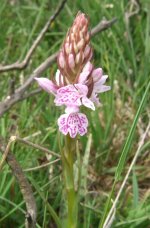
76	50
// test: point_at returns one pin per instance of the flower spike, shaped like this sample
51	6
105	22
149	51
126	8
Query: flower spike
77	82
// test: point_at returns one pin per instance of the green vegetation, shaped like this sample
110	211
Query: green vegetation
123	52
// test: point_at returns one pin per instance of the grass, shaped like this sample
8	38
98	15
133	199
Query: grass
123	52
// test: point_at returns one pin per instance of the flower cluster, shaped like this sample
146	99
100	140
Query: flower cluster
76	82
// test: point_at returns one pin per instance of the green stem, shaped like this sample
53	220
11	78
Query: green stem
72	202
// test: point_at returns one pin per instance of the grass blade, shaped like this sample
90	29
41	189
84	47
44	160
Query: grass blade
128	142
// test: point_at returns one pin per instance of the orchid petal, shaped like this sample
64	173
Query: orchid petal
62	124
88	66
99	86
67	95
82	89
47	85
59	78
85	73
97	74
95	99
103	88
88	103
67	100
83	77
102	80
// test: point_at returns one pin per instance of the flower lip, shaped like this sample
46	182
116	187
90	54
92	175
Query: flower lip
73	124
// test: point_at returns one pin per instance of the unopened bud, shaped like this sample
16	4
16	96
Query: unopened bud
71	61
80	44
76	50
61	60
78	57
67	48
87	50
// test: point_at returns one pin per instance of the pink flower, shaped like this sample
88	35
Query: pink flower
73	123
73	95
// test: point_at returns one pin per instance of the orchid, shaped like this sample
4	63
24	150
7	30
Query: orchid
76	83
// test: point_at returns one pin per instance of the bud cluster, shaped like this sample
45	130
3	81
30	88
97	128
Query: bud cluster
76	50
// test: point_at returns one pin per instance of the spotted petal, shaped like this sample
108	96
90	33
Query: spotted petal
74	123
71	95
